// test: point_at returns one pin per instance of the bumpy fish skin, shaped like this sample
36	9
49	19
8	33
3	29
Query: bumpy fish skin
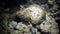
35	12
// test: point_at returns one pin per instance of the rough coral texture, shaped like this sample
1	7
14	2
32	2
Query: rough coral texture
30	17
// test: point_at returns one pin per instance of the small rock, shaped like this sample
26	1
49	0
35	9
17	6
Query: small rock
12	24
